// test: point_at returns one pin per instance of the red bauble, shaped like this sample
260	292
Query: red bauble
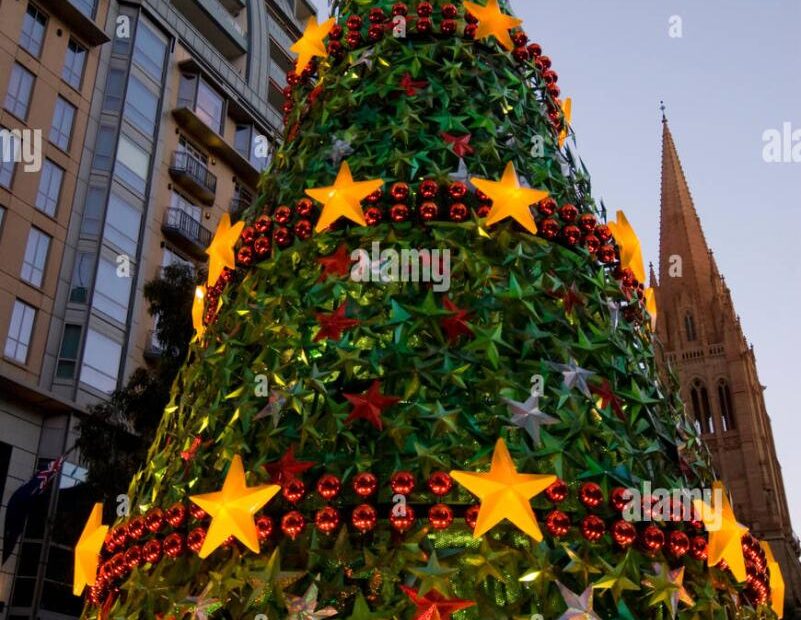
293	490
424	25
364	518
483	210
429	189
471	516
305	207
376	15
400	8
174	545
282	214
154	520
606	254
176	515
678	544
653	539
151	552
603	232
292	78
402	518
470	31
336	50
591	495
375	197
399	213
248	235
458	212
550	76
546	62
328	486
304	229
520	54
457	190
372	216
619	498
587	222
365	484
245	256
440	516
118	565
568	213
134	530
440	483
375	33
196	538
399	192
133	557
449	11
553	90
197	512
557	492
549	228
428	211
425	9
327	519
698	548
292	524
571	235
282	237
593	528
264	527
402	482
557	523
624	533
262	246
448	26
547	207
354	22
354	39
335	34
535	49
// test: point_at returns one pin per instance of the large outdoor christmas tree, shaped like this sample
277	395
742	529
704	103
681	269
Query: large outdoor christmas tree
447	425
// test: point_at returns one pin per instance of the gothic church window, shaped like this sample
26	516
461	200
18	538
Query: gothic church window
702	412
726	406
689	327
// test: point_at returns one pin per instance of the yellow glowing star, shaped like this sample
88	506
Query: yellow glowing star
776	580
311	43
504	493
630	248
650	306
87	551
198	310
343	198
232	509
221	250
492	21
725	533
567	111
509	199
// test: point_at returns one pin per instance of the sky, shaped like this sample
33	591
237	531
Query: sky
732	75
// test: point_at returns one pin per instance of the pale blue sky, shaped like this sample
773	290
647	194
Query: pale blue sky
733	75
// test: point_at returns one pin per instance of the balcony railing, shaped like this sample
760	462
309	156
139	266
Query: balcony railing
186	232
193	175
215	21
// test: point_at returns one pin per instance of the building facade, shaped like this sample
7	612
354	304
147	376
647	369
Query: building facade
703	342
128	127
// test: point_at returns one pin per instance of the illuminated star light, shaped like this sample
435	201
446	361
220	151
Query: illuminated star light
630	247
87	550
776	580
343	198
312	44
510	199
493	22
725	533
221	249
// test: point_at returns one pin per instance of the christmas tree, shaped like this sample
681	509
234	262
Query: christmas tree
423	381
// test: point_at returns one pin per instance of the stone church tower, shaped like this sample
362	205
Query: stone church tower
704	343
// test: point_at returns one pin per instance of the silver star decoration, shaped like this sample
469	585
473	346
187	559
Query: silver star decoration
614	312
578	607
203	605
340	150
575	376
461	173
273	409
305	607
366	59
528	416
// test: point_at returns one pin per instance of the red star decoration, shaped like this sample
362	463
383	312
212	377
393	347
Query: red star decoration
336	264
461	144
411	86
333	324
188	455
456	325
608	397
572	298
287	468
434	606
370	405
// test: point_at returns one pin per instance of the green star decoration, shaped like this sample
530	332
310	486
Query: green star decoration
616	579
433	576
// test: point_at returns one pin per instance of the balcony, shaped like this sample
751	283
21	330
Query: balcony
215	21
186	232
237	205
78	15
193	175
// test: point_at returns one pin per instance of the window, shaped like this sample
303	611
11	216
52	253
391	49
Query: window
93	212
170	258
104	148
252	146
141	106
689	326
112	292
185	146
10	145
20	87
702	412
68	355
133	164
63	118
87	7
35	257
209	106
33	30
101	362
72	73
49	188
81	277
115	86
726	407
149	50
122	224
20	330
178	201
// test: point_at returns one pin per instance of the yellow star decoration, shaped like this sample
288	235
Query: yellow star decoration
504	493
630	248
221	250
492	21
311	43
198	309
232	509
567	111
343	198
509	199
776	580
650	306
725	533
87	551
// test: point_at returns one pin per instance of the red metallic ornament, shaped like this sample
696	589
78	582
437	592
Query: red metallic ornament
264	527
365	484
535	49
424	25
335	34
118	566
304	207
425	9
376	15
603	232
549	76
483	210
624	533
364	518
448	26
134	530
553	90
354	39
698	548
174	545
372	216
458	212
449	11
400	8
282	237
282	214
568	213
606	254
428	211
354	22
402	518
592	243
457	190
619	498
196	538
652	539
471	516
328	486
402	482
546	62
520	54
245	256
327	519
248	235
336	50
154	520
470	31
375	33
440	483
133	557
557	523
292	524
587	222
399	192
399	213
176	515
549	228
557	492
262	246
440	516
593	528
591	495
547	207
293	490
375	197
151	552
519	38
678	544
571	235
429	189
303	229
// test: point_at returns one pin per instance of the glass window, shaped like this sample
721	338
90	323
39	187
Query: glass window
87	7
689	327
209	106
242	140
81	277
101	362
104	149
149	50
133	164
187	88
49	188
111	292
72	73
122	224
185	146
68	355
33	264
141	106
10	145
178	201
20	87
33	30
115	86
173	258
726	406
63	118
20	330
93	212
